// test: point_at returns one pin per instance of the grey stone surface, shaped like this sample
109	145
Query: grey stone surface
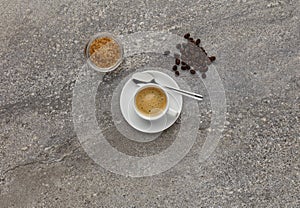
256	164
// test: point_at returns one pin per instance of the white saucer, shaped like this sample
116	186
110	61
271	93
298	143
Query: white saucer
127	108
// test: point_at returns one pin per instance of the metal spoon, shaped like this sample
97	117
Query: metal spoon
146	78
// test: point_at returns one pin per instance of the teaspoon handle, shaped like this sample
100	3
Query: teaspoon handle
186	93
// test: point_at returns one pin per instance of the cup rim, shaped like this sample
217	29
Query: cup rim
151	118
87	54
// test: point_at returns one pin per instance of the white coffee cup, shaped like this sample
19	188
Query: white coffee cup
166	110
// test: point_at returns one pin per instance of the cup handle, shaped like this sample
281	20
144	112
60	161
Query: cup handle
172	112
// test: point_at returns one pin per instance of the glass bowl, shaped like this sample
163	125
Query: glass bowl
99	59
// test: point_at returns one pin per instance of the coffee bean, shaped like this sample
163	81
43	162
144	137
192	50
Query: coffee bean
203	69
166	53
212	58
192	53
176	55
186	36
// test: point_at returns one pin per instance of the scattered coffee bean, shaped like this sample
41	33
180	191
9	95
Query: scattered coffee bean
212	58
186	36
203	69
176	55
194	55
166	53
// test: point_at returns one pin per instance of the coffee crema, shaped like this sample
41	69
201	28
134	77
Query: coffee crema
151	101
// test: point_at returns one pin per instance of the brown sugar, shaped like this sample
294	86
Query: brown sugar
104	52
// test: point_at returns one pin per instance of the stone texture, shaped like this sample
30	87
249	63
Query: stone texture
256	163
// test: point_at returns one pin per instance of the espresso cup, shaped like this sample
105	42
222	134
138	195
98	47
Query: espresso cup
151	102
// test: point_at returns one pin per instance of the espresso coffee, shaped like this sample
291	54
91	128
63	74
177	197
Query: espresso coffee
151	101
